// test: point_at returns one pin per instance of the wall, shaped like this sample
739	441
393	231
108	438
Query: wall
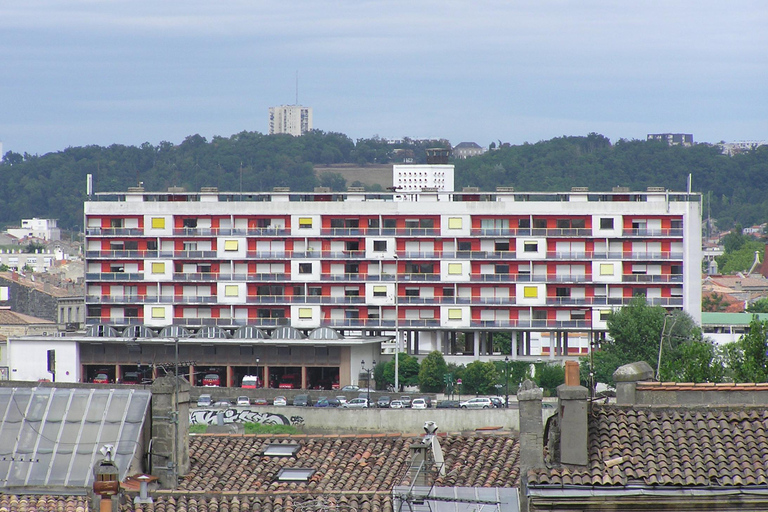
315	420
30	301
28	360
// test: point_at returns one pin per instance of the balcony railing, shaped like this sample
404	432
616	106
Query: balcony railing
113	276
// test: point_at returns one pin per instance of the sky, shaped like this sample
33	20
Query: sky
84	72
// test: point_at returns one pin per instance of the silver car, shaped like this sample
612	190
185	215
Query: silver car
356	403
477	403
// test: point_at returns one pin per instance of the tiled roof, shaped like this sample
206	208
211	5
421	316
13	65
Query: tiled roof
670	446
43	503
276	502
356	463
8	317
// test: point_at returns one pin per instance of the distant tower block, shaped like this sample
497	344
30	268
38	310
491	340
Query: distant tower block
295	120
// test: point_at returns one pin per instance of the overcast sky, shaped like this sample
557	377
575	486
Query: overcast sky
76	73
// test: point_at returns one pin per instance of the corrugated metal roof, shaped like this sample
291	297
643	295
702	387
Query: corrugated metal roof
52	436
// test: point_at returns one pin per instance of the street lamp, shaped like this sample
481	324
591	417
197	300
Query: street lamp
259	380
368	381
498	387
506	392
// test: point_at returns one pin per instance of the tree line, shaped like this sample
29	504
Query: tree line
735	188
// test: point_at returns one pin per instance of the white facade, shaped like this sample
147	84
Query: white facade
409	178
17	260
27	359
37	228
295	120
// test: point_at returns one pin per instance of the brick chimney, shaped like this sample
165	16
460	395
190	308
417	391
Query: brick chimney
572	412
531	426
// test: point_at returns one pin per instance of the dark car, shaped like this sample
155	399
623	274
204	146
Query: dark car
302	401
406	401
322	402
131	378
447	404
383	401
497	403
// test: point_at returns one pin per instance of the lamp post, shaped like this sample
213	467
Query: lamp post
498	387
506	392
258	375
368	381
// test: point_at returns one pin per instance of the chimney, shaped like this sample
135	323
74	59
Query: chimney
170	429
531	426
626	378
571	373
572	409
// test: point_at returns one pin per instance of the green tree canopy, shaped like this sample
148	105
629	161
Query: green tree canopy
746	358
480	378
432	372
408	372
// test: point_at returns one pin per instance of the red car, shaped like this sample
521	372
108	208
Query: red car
211	380
290	381
101	378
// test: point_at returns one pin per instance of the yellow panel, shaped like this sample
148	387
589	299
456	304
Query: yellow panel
455	222
158	223
158	312
158	268
305	222
606	269
531	292
454	314
379	289
454	268
231	245
305	312
231	290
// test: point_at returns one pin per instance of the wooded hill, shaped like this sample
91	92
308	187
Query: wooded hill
53	185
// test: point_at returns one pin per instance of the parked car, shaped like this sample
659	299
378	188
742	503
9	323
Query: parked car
396	404
302	401
322	402
101	378
211	380
356	403
350	388
223	404
342	399
243	401
383	401
418	403
477	403
447	404
260	401
250	382
427	400
280	401
497	402
406	401
131	378
204	401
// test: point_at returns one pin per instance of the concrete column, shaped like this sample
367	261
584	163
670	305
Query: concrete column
531	426
476	340
551	345
573	424
170	429
626	378
514	346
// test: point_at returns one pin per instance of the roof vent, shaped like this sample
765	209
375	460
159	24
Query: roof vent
470	189
505	189
656	189
209	190
355	189
620	189
579	189
136	189
281	189
322	190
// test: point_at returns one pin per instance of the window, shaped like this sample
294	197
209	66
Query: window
578	314
131	245
373	223
539	314
570	223
530	246
158	223
455	222
131	313
606	223
379	291
524	223
305	268
305	222
562	292
158	312
539	223
390	223
116	223
231	245
351	268
676	224
606	269
315	291
530	292
351	246
411	292
158	267
604	314
501	245
639	269
231	290
380	245
454	268
352	292
189	223
305	313
448	292
454	314
263	223
465	246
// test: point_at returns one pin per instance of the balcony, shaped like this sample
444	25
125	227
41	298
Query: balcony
190	255
132	255
649	278
674	233
113	276
114	232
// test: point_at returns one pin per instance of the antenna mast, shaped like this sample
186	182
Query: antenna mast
297	87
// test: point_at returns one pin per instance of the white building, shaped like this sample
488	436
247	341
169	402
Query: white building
295	120
37	228
436	175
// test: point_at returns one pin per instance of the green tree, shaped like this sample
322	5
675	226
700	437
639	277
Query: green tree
549	376
432	372
480	378
759	306
408	371
636	332
714	302
746	358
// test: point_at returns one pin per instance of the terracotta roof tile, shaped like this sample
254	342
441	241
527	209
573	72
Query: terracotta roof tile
663	445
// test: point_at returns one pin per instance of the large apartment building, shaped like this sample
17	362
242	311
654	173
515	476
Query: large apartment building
295	120
449	271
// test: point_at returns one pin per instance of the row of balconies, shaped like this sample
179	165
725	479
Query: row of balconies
403	278
364	255
402	301
415	232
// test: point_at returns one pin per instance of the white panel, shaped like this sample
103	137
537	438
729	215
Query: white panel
133	268
488	315
653	293
578	293
337	269
337	291
654	270
428	292
465	292
204	223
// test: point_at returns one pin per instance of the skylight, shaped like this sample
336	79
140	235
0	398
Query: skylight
295	474
281	450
